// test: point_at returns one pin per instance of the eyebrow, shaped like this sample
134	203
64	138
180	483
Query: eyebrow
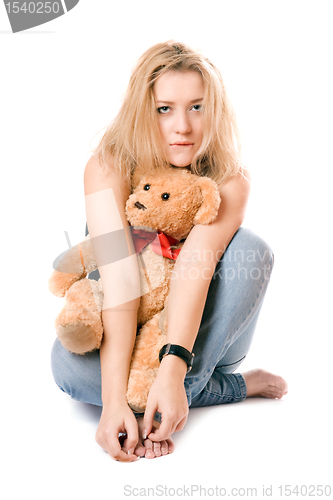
171	102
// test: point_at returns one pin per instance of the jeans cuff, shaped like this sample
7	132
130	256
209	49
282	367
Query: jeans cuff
241	384
158	416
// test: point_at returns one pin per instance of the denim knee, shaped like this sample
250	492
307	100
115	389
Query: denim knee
60	369
77	375
253	256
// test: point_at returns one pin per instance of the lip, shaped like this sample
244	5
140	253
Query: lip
181	144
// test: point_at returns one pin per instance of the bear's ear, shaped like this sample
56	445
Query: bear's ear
139	172
207	212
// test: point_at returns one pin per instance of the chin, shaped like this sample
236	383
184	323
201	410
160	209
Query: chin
181	164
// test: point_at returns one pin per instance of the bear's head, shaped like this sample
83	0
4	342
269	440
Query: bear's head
172	202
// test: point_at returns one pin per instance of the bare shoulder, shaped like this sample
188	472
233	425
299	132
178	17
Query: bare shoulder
106	193
98	178
238	185
234	195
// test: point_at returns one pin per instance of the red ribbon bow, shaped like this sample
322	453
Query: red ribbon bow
160	243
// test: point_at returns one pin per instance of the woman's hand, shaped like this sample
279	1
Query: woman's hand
118	419
167	396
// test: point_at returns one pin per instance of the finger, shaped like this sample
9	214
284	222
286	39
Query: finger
165	431
123	456
181	425
112	446
148	419
132	439
124	446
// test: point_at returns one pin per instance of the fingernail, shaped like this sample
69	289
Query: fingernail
130	451
144	434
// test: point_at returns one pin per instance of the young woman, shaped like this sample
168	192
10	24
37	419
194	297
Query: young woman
175	114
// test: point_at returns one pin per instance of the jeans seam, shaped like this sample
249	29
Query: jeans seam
230	364
219	395
222	396
259	296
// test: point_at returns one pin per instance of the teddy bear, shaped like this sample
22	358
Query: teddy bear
161	211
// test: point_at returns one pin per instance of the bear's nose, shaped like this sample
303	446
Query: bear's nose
137	204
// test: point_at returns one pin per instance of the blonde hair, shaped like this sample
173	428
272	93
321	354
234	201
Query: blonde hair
132	138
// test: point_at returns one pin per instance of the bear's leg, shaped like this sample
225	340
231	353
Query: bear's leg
79	324
145	363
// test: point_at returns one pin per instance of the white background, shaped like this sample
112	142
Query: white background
61	83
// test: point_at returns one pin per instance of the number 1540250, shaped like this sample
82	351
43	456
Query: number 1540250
33	7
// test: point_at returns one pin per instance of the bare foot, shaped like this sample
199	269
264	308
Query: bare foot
261	383
151	449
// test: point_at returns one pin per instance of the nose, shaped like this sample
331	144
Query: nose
137	204
182	123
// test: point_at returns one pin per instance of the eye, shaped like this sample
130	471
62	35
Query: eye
163	109
146	187
165	196
197	107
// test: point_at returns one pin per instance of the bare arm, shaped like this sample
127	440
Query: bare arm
203	248
105	195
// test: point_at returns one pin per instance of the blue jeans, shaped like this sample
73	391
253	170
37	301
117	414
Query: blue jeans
229	319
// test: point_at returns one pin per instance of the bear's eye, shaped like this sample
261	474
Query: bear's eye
165	196
146	187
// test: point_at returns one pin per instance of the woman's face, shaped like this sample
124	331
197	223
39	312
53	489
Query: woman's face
178	98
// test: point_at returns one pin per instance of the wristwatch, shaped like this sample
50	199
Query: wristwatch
179	351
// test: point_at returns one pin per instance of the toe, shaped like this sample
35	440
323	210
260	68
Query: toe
157	449
140	450
171	446
164	448
273	392
149	449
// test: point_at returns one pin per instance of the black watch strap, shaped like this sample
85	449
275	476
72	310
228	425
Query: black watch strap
179	351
